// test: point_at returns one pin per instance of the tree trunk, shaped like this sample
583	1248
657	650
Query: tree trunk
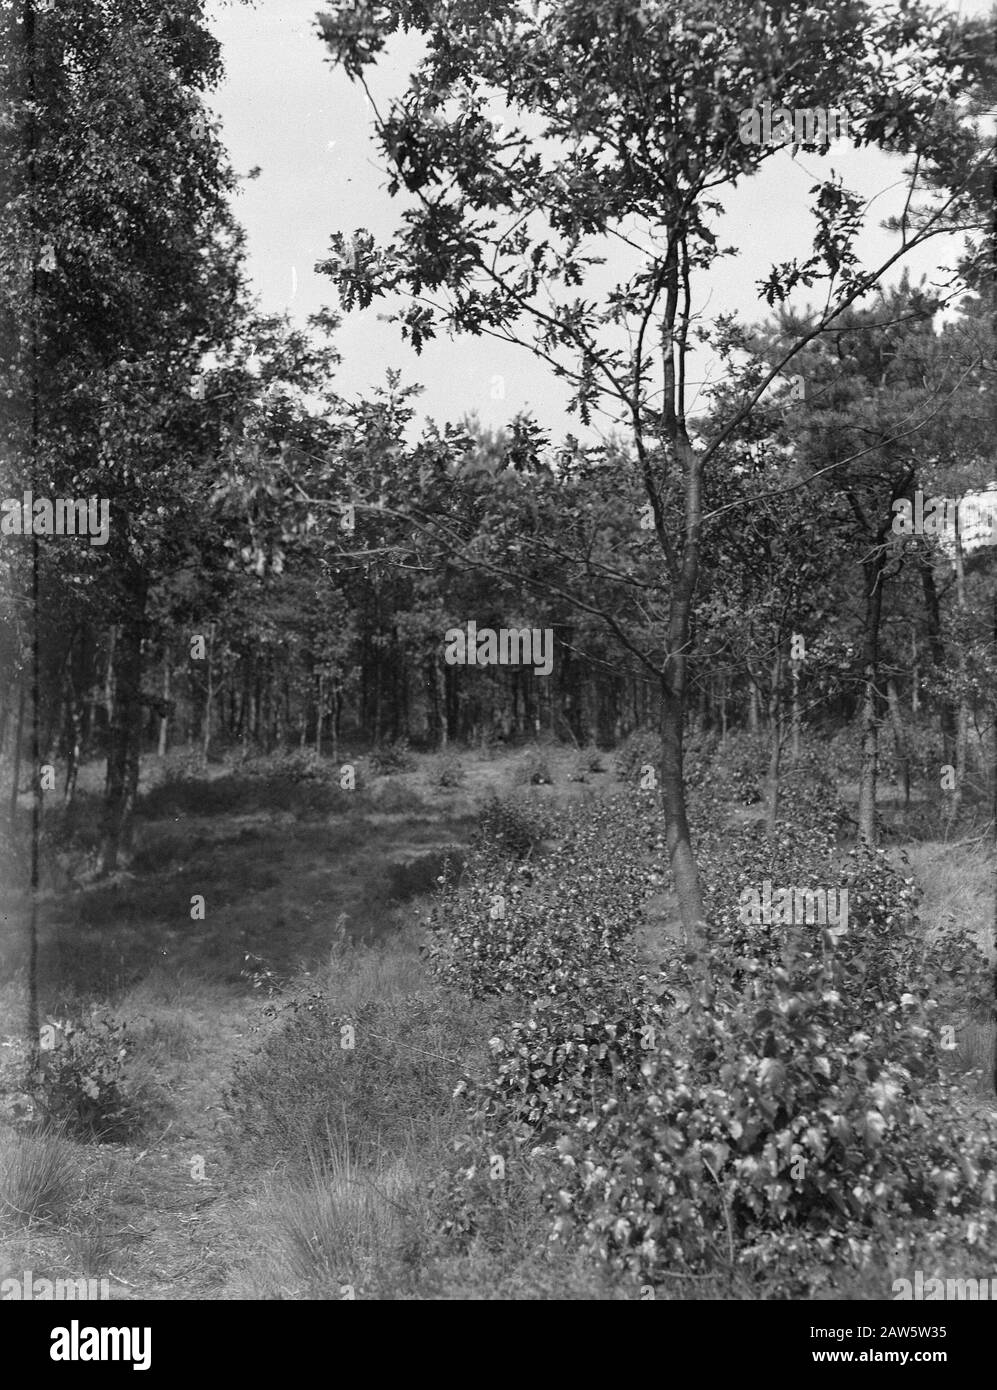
673	696
164	718
112	639
319	715
18	739
124	733
440	692
685	874
936	647
962	718
775	745
209	696
336	715
723	713
74	743
869	777
899	739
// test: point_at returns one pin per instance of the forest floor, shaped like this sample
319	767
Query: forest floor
289	869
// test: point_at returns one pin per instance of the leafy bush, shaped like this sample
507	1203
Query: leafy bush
395	756
80	1082
535	769
531	930
587	761
508	829
664	1137
450	771
797	1107
640	749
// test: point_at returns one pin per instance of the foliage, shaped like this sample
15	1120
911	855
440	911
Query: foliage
535	769
663	1137
80	1082
509	829
392	757
450	772
639	750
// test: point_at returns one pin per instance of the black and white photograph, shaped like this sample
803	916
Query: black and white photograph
498	664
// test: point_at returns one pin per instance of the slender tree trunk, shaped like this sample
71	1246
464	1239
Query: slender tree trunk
775	746
124	734
936	647
677	837
899	739
74	742
869	777
962	717
319	715
440	694
112	641
246	715
57	715
164	718
685	873
336	714
723	713
18	740
209	696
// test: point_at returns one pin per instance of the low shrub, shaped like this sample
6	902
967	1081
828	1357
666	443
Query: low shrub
532	929
80	1080
535	770
508	830
392	757
639	751
450	771
798	1107
665	1137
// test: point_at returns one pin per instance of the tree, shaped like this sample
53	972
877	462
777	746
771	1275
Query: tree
121	270
534	138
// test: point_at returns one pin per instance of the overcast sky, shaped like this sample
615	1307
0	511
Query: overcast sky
283	107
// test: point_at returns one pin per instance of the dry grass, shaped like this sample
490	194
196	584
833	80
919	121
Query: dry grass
958	884
37	1176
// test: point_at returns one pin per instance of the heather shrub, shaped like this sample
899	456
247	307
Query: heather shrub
391	757
507	830
639	750
80	1084
661	1136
